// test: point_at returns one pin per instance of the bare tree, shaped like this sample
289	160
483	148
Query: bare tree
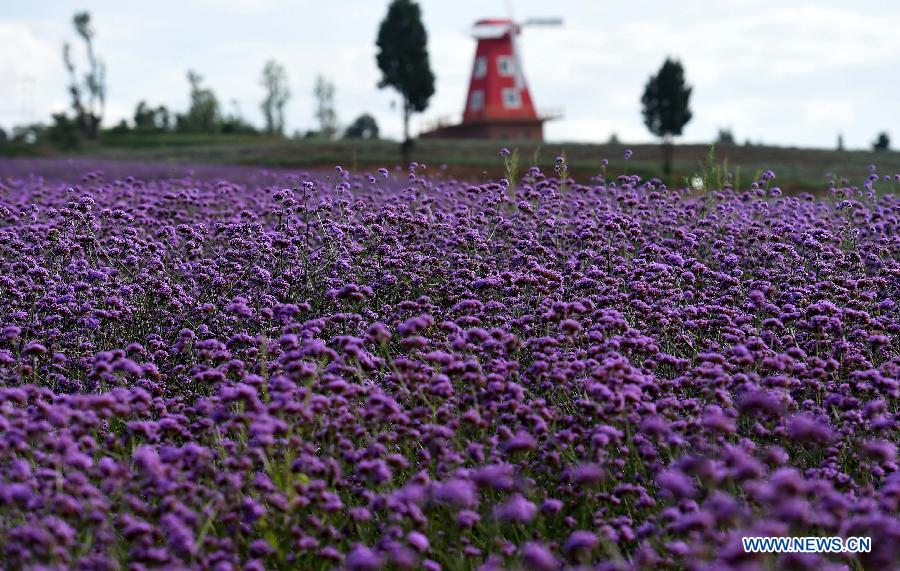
324	93
274	80
88	94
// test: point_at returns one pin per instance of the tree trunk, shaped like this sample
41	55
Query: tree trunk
93	126
405	119
406	145
668	150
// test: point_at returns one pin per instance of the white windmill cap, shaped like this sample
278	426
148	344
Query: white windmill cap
494	28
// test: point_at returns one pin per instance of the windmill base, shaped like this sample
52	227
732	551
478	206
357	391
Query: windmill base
511	129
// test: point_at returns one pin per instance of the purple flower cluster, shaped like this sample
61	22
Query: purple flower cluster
367	371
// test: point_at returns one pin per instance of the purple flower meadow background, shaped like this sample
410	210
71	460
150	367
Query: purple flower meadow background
244	369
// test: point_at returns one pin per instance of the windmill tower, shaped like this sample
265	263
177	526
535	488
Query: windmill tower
498	103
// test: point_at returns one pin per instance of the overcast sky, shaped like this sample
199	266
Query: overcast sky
781	72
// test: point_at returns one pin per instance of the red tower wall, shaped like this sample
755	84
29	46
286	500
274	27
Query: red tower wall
492	84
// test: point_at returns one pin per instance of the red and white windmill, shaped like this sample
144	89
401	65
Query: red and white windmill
498	102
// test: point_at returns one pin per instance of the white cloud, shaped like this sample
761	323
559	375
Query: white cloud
32	77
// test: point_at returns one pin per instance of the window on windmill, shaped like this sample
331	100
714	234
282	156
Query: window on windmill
506	66
511	98
480	67
476	100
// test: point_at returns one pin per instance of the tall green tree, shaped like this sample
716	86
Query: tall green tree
882	142
234	122
274	81
203	116
725	137
147	118
88	92
403	60
666	107
63	133
364	127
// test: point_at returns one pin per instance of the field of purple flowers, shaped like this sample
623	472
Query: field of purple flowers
373	371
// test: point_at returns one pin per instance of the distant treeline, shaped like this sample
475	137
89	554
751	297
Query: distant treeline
204	115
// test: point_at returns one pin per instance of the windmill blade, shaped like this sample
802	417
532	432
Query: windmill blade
509	11
514	38
516	28
543	22
517	60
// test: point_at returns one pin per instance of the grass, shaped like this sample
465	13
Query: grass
796	169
